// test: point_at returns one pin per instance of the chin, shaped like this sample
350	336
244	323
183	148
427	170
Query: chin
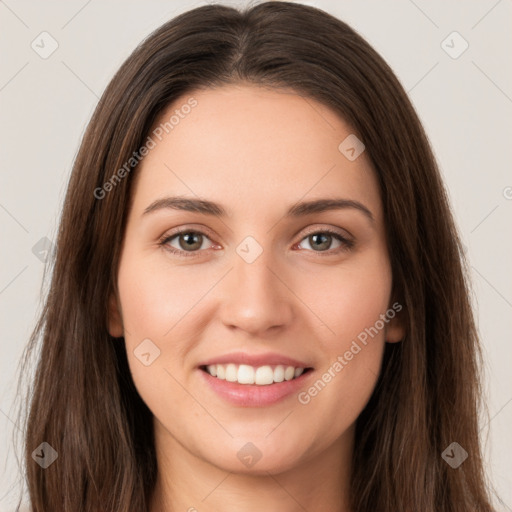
257	457
266	464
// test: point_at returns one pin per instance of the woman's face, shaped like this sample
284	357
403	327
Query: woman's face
250	284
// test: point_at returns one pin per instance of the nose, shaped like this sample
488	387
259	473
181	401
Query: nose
255	298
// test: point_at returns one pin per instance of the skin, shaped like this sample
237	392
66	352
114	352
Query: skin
255	151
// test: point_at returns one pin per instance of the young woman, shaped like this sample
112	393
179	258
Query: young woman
259	298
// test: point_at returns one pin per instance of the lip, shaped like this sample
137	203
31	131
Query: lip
252	395
256	360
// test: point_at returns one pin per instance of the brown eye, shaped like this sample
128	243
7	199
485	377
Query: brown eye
190	240
321	241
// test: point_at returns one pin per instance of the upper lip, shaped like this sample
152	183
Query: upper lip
255	360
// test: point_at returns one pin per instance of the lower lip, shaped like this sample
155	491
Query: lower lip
252	395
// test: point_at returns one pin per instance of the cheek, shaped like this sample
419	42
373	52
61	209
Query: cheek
350	298
350	303
154	302
155	298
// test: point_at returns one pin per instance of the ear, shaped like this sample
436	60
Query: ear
115	319
395	328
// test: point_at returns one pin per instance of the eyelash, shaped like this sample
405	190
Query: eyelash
347	244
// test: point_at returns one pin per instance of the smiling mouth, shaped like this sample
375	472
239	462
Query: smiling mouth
265	375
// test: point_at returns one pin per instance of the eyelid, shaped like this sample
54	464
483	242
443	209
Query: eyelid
329	229
198	229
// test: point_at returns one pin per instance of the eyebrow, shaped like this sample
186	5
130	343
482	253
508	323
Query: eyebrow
300	209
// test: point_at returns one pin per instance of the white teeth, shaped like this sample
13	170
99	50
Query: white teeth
261	376
289	373
221	371
264	376
231	373
279	373
245	374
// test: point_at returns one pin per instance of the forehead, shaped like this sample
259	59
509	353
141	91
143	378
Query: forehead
241	145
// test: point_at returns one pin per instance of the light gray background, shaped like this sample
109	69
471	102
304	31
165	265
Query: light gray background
464	103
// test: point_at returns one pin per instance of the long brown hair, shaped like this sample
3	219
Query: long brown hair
83	401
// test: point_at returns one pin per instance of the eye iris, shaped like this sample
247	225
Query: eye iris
189	240
324	244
